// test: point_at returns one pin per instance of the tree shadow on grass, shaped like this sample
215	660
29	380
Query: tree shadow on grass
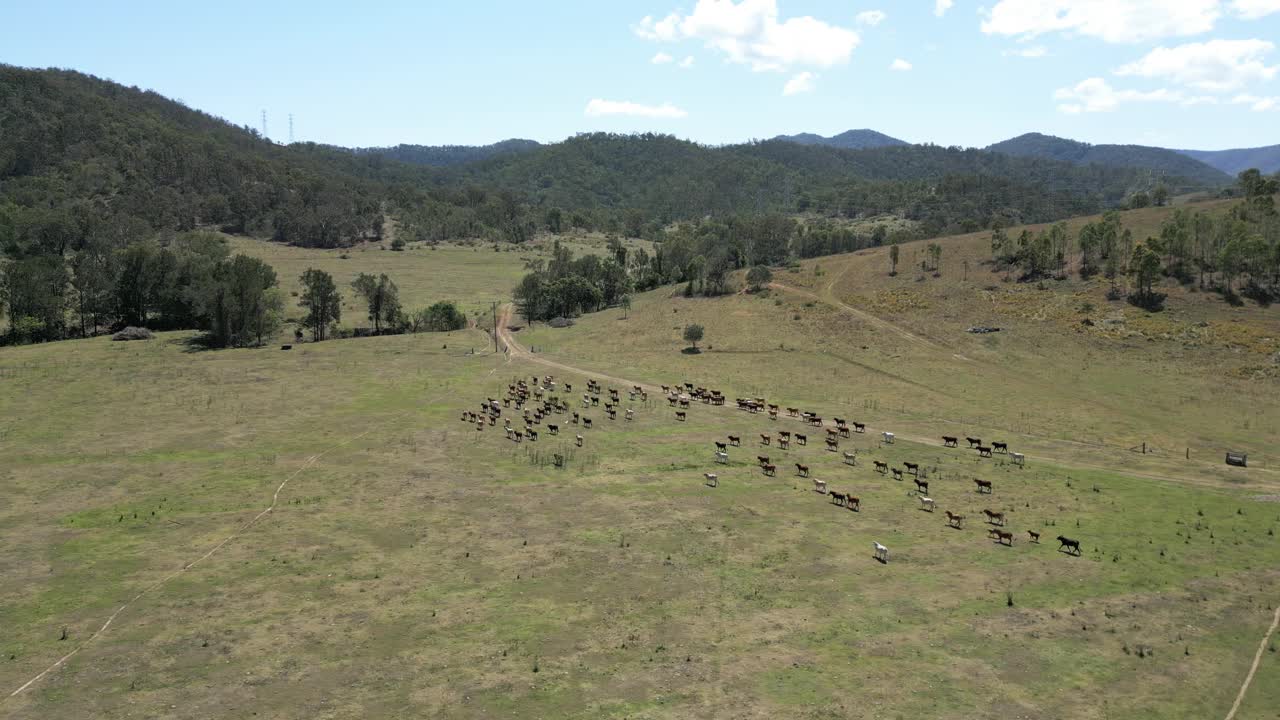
692	351
199	342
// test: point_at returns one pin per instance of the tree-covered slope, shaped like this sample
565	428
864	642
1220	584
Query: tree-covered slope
1234	162
449	155
847	140
1158	160
75	145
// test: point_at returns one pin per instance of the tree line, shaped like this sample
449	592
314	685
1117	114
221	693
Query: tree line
1235	252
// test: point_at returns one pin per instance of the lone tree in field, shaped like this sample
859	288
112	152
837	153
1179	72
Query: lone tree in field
692	334
1160	196
1145	269
758	277
893	259
935	256
625	302
382	296
323	302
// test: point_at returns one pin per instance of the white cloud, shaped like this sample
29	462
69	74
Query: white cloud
940	7
666	29
602	108
661	59
1037	51
870	17
1214	66
687	62
1257	104
900	65
1254	9
1096	95
750	32
1115	21
800	83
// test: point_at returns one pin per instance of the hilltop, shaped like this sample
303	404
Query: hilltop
1234	162
848	140
449	155
1159	160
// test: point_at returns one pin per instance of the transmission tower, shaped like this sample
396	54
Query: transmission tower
290	128
264	124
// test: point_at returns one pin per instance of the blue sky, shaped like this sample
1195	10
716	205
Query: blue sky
1180	73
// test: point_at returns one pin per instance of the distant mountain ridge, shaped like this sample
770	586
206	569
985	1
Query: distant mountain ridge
1157	159
1234	162
449	155
863	139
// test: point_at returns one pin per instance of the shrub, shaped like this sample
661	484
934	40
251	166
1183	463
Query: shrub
132	333
397	245
560	322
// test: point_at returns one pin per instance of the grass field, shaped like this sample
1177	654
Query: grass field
473	276
416	567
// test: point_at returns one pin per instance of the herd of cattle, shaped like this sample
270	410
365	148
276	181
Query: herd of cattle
538	400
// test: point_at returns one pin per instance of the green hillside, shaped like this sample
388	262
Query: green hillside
1157	160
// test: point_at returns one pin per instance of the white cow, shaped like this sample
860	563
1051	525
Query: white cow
631	414
722	458
820	486
882	552
888	438
926	503
850	458
1019	459
713	480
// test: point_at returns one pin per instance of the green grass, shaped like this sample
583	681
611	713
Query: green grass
422	568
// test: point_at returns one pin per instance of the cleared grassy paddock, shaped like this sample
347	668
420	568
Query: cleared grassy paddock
423	568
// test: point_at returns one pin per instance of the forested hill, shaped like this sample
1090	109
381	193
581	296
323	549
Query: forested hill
1234	162
847	140
665	178
1159	160
449	155
79	154
74	146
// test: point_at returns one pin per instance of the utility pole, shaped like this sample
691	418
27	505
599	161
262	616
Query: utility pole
495	328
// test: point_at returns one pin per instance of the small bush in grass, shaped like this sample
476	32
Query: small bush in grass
560	322
133	333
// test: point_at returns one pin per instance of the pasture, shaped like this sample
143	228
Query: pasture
415	566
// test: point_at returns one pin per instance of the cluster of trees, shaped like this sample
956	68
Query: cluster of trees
188	280
565	287
381	296
1218	250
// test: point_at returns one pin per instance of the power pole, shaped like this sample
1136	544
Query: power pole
495	328
290	128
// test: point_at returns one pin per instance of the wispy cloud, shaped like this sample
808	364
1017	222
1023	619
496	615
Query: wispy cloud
1097	95
1254	9
604	108
751	32
661	59
1036	51
1114	21
801	83
687	62
940	7
900	65
1213	66
870	18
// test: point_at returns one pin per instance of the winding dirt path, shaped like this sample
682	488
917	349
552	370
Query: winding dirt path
516	350
1257	660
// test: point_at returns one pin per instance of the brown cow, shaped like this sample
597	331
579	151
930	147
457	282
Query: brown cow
802	470
984	486
770	470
